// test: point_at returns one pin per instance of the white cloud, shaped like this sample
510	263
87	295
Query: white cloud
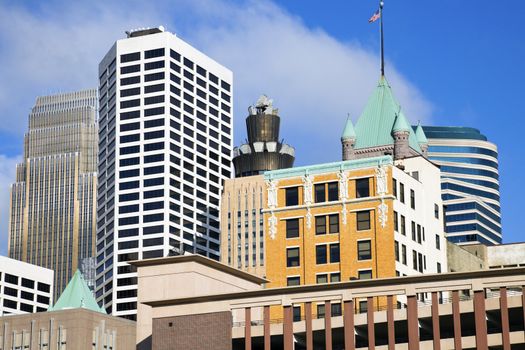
7	176
313	78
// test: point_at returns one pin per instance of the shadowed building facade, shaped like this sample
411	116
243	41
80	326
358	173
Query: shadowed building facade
52	217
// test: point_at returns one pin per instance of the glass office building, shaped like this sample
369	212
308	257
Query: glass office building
52	217
469	183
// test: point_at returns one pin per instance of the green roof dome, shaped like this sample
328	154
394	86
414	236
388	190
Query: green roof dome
349	131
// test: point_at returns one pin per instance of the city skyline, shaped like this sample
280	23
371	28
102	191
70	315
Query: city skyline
427	97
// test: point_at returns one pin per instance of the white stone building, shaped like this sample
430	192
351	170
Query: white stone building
25	288
165	149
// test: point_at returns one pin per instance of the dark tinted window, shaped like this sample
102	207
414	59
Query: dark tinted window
320	254
292	228
135	56
154	53
292	196
292	257
362	188
320	193
363	220
130	69
333	191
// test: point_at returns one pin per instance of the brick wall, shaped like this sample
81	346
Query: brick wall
196	332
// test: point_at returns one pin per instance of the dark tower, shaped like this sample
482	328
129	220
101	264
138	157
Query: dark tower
263	151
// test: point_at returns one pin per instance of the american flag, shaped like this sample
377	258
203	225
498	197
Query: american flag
374	17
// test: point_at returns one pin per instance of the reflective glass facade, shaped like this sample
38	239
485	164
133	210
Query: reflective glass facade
52	218
470	183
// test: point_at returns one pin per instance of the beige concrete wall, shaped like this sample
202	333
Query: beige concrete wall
506	255
464	258
182	280
246	195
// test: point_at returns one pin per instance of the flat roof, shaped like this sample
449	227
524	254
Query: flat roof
201	260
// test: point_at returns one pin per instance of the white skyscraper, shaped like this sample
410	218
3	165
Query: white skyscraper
164	150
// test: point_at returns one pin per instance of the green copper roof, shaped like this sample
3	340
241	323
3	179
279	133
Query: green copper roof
327	167
375	125
77	295
420	134
348	132
401	123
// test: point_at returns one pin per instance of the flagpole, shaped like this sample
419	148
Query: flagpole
382	45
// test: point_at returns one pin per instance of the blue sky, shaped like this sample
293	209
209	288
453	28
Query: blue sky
449	63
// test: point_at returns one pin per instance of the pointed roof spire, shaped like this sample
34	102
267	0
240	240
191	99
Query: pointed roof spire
401	123
420	134
349	131
375	125
77	295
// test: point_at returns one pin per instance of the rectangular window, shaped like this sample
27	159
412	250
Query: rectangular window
320	311
403	226
321	279
320	225
154	99
130	103
320	193
396	224
404	254
436	211
154	76
296	313
335	277
412	199
394	187
362	188
333	191
130	80
402	192
438	267
153	88
334	253
438	242
292	257
293	281
419	234
292	196
154	65
334	223
420	261
413	230
337	310
154	53
129	92
365	275
414	260
292	228
320	254
396	250
364	250
363	220
135	56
